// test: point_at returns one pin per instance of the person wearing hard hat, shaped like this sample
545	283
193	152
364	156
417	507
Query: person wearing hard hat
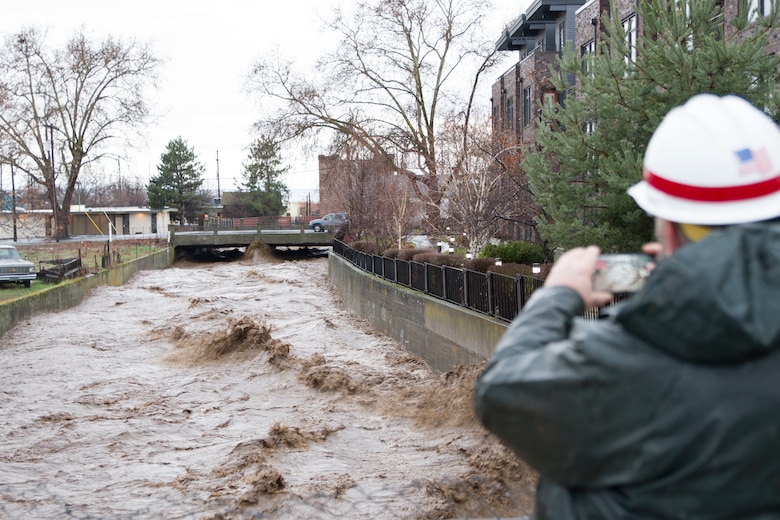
669	407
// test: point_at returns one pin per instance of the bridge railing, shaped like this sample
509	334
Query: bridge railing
494	294
247	223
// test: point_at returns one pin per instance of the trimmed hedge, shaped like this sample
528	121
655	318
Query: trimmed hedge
407	253
364	246
514	269
515	251
440	259
481	264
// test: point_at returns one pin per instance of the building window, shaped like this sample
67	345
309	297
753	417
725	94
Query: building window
527	99
756	8
510	113
587	53
684	7
561	36
629	29
549	98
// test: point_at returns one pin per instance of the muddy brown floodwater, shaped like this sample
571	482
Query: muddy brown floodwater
237	390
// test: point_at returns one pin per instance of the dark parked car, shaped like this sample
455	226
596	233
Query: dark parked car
330	222
13	268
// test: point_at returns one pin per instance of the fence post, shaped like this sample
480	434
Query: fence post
466	288
520	291
443	281
491	306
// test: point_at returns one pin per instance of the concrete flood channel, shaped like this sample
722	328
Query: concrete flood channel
238	389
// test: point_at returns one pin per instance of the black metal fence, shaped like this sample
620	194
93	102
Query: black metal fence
494	294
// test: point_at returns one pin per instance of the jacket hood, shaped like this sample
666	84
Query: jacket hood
714	301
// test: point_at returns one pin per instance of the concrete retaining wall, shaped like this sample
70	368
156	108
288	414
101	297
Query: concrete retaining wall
69	293
441	333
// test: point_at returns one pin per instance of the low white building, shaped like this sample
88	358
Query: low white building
29	224
84	220
131	220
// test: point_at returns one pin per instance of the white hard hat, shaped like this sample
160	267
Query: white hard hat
712	161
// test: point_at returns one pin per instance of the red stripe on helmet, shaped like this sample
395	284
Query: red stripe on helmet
713	193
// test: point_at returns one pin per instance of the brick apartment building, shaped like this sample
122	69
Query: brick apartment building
539	36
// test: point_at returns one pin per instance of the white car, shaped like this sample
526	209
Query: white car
13	268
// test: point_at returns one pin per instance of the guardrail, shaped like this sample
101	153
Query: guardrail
494	294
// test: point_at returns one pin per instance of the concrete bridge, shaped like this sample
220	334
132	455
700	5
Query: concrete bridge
215	237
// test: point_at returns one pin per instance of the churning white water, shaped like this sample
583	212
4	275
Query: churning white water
236	390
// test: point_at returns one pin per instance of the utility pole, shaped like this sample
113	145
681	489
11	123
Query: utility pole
219	195
13	200
50	129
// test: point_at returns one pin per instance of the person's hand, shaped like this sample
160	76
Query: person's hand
574	269
654	249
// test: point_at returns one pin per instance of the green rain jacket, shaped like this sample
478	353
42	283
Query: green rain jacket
667	408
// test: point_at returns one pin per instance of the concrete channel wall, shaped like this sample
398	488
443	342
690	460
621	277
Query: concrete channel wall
441	333
69	293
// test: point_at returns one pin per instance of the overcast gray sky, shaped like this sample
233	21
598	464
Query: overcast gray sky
208	48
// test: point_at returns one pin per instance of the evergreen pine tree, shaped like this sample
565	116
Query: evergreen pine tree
262	191
177	184
591	146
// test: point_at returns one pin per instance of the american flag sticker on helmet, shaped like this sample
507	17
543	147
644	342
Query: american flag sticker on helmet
754	161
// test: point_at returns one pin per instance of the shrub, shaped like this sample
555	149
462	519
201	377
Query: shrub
515	251
509	269
514	269
481	264
407	253
364	246
439	259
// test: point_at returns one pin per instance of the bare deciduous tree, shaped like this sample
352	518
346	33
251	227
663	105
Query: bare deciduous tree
380	202
62	106
482	188
400	64
353	183
403	207
98	188
520	220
